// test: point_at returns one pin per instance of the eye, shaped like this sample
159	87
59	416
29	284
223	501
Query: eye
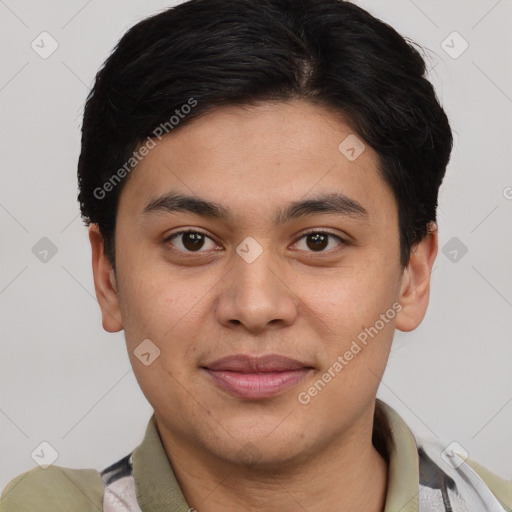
191	241
318	241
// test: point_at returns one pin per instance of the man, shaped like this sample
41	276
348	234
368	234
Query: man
260	179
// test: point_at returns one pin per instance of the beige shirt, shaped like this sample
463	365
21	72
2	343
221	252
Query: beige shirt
420	479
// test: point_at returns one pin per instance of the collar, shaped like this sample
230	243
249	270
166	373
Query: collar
158	489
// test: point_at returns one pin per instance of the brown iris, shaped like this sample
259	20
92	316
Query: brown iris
317	241
193	241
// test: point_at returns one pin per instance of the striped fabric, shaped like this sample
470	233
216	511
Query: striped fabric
120	487
441	488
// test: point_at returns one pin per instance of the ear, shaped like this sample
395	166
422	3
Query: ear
104	283
415	285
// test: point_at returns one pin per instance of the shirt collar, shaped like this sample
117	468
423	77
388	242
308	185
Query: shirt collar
403	462
158	489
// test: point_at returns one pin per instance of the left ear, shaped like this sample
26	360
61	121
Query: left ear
415	286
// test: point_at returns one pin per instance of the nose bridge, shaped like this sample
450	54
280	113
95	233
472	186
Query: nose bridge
256	276
254	293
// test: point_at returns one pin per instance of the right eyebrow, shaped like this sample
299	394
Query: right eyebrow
174	202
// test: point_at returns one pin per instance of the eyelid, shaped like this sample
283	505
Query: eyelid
325	231
342	240
187	230
167	239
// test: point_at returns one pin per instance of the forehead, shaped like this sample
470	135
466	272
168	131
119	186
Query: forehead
253	158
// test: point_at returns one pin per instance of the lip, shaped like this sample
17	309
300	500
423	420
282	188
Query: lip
256	377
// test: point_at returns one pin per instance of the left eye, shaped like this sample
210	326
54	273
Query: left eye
318	241
191	241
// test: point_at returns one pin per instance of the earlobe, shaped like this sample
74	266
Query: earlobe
104	283
415	286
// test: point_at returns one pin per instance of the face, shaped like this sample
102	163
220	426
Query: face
249	235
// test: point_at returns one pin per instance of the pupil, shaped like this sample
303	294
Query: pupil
193	241
320	241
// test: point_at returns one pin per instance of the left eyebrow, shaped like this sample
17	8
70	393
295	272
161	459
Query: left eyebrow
334	203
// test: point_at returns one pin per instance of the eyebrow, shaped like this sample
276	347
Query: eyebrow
333	203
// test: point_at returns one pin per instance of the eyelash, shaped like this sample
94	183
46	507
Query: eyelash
304	235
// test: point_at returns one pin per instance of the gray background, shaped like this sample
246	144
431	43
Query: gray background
65	381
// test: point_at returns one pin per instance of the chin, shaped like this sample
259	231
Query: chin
267	452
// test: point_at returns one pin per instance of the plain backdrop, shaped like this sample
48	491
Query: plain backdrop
65	381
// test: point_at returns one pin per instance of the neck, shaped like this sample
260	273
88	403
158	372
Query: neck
349	474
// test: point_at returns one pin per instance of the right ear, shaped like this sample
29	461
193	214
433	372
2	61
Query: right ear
104	283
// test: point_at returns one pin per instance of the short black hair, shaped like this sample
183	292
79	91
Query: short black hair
203	54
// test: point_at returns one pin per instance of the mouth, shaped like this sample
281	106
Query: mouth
256	377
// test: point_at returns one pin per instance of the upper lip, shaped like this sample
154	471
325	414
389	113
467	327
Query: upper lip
260	364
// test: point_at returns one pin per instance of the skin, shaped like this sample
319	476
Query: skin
293	300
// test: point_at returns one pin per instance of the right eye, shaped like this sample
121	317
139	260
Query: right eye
190	241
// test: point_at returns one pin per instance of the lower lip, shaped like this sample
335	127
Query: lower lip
257	385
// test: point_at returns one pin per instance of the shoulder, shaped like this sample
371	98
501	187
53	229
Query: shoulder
461	479
500	487
54	489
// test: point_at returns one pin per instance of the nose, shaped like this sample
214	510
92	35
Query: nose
256	295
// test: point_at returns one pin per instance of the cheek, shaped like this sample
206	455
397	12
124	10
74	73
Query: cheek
167	309
149	305
351	297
